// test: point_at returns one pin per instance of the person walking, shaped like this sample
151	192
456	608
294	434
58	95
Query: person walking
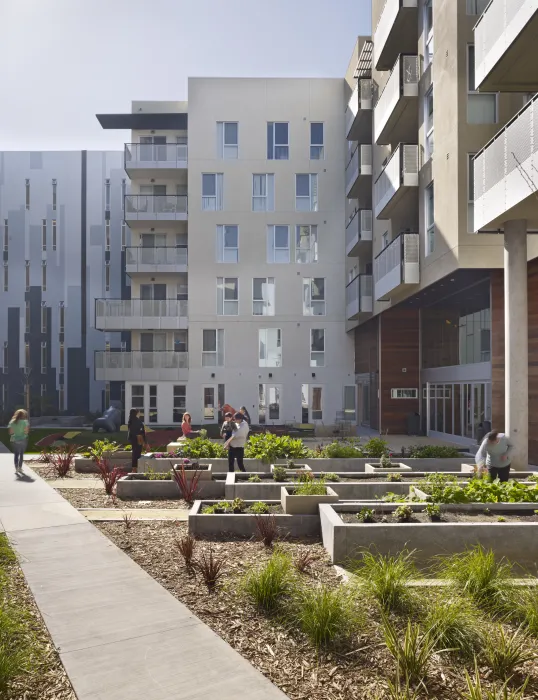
137	437
186	427
19	429
228	426
246	414
236	443
494	455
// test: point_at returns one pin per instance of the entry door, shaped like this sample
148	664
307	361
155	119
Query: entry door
270	400
210	403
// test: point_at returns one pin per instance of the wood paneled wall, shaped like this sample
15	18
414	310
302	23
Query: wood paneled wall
497	354
400	335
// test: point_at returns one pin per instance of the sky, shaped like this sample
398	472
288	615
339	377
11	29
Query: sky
64	61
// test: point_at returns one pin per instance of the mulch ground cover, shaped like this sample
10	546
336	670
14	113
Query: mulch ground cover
94	498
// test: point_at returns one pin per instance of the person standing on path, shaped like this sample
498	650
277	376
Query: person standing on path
137	437
19	429
236	444
494	454
246	414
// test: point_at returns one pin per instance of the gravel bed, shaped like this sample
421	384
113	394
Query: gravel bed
45	471
381	517
92	498
356	671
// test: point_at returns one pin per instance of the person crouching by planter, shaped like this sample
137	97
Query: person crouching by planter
186	427
236	444
137	437
494	455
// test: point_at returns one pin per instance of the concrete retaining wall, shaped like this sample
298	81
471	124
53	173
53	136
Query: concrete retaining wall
136	489
244	525
84	465
518	542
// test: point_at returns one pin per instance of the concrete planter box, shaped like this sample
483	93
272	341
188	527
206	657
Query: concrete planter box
446	464
205	474
304	505
424	497
244	524
238	486
291	472
137	488
85	465
376	468
518	542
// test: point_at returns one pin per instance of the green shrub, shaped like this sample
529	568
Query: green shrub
268	585
268	447
443	488
329	476
524	607
279	473
533	477
343	449
208	510
390	497
326	614
456	626
157	476
202	448
475	691
403	513
311	488
414	652
394	477
432	452
433	511
506	652
366	515
101	449
387	577
259	508
375	447
222	507
238	505
254	479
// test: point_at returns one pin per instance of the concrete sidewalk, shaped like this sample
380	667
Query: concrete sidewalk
121	636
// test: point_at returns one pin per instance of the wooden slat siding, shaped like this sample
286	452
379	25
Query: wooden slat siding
367	362
399	349
497	354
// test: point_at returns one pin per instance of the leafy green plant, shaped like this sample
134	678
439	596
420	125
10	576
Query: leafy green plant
397	691
385	461
329	476
269	584
394	477
414	652
443	488
208	510
238	505
432	452
279	473
254	479
433	511
310	488
387	577
326	614
506	652
201	448
533	477
403	513
304	476
456	625
477	573
222	507
342	449
501	519
375	447
366	515
524	607
101	448
268	447
157	476
475	691
259	508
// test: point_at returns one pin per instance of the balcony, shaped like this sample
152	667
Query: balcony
141	157
153	260
359	299
141	366
396	112
397	183
359	232
140	314
505	41
155	207
396	32
359	112
359	173
397	265
506	174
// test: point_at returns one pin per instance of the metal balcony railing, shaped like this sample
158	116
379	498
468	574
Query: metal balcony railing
403	82
400	170
142	360
138	205
169	155
140	308
386	23
397	264
359	228
359	295
360	163
361	99
140	257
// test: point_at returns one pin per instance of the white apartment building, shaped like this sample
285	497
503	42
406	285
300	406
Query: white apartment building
236	211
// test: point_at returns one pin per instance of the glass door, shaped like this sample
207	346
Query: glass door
269	404
210	403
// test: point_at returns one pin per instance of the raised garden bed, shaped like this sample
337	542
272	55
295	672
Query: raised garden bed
378	468
298	504
518	540
244	524
141	487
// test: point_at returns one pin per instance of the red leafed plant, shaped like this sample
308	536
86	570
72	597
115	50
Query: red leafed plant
61	460
267	528
187	485
108	476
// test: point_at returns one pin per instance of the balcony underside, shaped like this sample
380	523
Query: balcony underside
393	282
359	247
164	268
141	219
140	323
402	39
401	201
402	123
145	169
359	312
361	189
487	216
361	127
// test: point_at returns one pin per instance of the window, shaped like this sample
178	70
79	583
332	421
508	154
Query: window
350	409
6	235
137	398
54	234
181	341
263	192
54	195
123	235
107	234
28	194
277	141
306	244
428	32
43	358
62	318
227	296
263	296
123	193
278	244
43	318
384	240
107	275
27	317
481	107
476	7
317	347
316	141
404	393
306	192
44	234
430	219
270	347
180	403
428	119
209	403
152	418
470	192
228	244
314	296
107	195
212	187
27	274
317	403
213	348
44	276
62	358
228	140
6	277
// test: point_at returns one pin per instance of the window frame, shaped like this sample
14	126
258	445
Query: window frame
223	153
316	414
429	128
179	398
107	194
470	192
315	361
429	47
319	146
429	227
221	296
262	362
473	7
399	394
313	202
268	198
219	351
310	304
271	230
221	244
44	357
218	198
266	302
272	144
313	249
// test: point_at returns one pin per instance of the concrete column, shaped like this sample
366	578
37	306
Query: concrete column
516	341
